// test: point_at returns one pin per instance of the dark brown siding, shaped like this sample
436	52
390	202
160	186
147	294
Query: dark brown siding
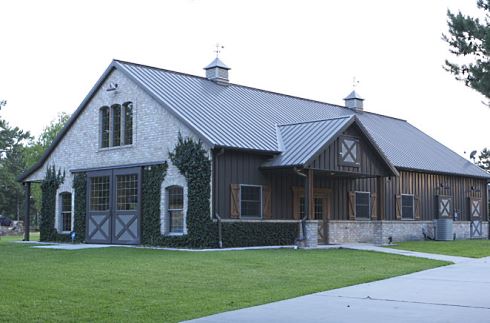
235	167
428	186
371	163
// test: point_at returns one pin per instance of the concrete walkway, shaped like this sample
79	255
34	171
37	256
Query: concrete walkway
370	247
455	293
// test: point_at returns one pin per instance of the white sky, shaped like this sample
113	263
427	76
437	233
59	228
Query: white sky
52	53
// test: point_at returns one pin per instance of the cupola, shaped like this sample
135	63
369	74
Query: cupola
354	101
217	71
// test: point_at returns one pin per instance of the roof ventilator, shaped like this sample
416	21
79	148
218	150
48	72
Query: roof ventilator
354	101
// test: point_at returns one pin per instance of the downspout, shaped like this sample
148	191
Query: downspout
303	220
215	197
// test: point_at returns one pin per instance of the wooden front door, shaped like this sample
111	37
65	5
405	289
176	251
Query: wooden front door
113	206
320	209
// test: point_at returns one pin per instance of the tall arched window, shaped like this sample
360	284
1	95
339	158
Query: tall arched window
104	127
116	124
175	208
66	211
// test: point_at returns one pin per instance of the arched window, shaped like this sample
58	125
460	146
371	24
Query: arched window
175	208
66	212
116	124
104	127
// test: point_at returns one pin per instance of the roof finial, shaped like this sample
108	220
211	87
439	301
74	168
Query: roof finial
219	47
355	82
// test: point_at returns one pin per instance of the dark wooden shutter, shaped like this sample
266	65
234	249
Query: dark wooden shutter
398	207
266	196
235	201
416	201
374	207
351	202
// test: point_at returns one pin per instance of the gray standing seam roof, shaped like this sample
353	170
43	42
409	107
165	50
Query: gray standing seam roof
242	117
301	141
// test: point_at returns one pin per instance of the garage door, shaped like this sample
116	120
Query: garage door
113	210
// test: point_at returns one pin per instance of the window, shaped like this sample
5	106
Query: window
105	131
99	193
65	212
116	125
362	205
349	151
407	207
127	192
175	206
251	201
318	211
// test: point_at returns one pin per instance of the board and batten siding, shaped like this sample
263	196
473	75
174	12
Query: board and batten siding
235	167
370	162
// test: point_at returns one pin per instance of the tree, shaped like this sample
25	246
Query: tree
469	40
484	159
12	163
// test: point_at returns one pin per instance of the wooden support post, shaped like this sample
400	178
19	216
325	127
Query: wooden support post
311	195
27	210
380	188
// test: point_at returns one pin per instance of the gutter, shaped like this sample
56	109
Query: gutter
216	215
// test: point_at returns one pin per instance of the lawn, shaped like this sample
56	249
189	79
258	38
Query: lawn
129	285
463	248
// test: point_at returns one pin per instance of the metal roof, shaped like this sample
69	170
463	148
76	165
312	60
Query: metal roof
353	95
217	63
243	117
301	141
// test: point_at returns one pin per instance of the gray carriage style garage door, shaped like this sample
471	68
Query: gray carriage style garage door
113	210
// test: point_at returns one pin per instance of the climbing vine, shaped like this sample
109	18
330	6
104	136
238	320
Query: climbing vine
80	189
49	187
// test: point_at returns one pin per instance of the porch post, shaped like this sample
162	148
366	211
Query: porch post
27	210
310	200
381	197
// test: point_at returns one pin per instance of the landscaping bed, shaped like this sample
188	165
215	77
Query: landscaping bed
130	284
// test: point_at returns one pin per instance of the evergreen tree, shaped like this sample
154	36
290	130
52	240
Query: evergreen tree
469	40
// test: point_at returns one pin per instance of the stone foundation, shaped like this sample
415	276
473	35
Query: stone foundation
378	232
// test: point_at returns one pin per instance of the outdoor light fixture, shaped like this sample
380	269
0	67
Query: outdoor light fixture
112	87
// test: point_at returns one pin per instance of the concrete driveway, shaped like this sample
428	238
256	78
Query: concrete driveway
455	293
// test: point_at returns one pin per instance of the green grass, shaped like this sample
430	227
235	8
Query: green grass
463	248
135	285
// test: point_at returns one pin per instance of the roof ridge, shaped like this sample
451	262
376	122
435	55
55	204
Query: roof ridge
313	121
256	89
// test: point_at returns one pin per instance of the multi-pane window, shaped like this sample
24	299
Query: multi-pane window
105	127
128	123
175	195
127	192
251	201
301	207
362	205
99	193
407	206
116	125
65	211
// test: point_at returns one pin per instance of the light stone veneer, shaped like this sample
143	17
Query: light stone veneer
378	232
155	133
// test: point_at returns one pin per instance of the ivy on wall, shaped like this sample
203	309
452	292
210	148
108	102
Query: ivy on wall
49	187
80	189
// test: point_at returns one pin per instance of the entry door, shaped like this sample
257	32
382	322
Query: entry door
113	210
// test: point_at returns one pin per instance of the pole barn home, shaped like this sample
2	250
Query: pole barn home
157	157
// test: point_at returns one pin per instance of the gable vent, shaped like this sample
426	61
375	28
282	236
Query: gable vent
217	71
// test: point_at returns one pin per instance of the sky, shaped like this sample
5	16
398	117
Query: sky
53	52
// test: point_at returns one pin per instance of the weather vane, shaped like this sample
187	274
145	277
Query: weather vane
219	47
355	82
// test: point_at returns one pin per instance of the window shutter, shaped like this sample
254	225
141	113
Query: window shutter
416	201
374	207
398	207
352	205
266	196
235	201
